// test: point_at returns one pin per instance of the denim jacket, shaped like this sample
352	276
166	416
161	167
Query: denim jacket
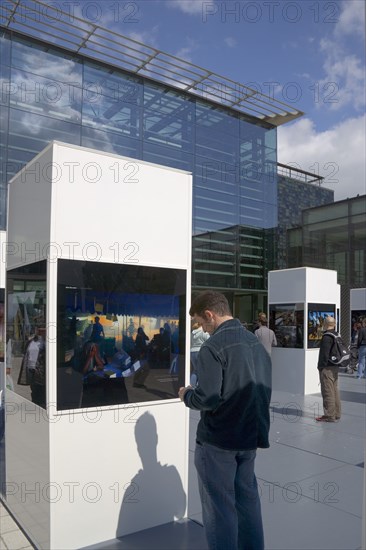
234	389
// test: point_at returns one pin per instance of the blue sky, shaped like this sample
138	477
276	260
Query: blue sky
309	54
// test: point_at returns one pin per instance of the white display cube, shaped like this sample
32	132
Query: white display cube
295	296
78	471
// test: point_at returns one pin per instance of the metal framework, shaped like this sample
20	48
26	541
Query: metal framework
49	24
294	173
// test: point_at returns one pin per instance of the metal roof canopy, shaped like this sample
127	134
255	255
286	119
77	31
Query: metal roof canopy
54	26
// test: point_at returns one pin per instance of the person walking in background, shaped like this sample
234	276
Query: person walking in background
361	346
265	335
97	334
233	395
198	337
328	374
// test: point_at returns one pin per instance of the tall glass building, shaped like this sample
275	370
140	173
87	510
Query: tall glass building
333	236
68	80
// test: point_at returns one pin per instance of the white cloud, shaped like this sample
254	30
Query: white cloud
149	38
343	83
230	42
337	154
351	19
185	51
192	7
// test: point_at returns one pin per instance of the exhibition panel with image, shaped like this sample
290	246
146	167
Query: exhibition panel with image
26	333
287	322
317	313
120	333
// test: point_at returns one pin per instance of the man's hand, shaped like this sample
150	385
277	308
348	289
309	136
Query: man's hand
182	391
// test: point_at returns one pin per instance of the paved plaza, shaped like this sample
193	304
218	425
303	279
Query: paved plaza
311	482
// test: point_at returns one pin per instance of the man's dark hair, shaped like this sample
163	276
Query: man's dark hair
212	301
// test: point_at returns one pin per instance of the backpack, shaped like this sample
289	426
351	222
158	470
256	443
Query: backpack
339	354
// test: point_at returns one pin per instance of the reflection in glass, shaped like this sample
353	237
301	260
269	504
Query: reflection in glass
287	322
316	315
46	96
56	96
26	331
121	333
2	336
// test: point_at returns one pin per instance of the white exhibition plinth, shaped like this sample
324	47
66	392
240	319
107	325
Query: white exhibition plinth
295	370
357	299
69	473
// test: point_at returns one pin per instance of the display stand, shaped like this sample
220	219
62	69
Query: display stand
92	234
357	304
299	300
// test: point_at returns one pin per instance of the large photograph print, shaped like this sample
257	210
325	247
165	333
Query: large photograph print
26	332
287	322
317	313
121	333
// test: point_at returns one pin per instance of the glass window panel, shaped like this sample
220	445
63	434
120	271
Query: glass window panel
331	212
111	101
111	142
270	139
121	334
219	215
213	120
31	132
251	282
47	62
167	156
216	148
5	88
116	117
249	131
218	173
4	49
26	331
358	206
257	214
214	279
4	113
112	84
215	205
167	130
203	223
43	95
168	118
167	101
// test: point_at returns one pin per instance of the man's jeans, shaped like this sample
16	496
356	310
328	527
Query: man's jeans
231	506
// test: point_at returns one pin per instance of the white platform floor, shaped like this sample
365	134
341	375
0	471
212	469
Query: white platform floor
311	482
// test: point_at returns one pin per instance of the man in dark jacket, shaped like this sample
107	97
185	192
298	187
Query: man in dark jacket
328	374
233	394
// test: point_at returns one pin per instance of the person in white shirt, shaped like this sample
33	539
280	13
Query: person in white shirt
198	337
265	335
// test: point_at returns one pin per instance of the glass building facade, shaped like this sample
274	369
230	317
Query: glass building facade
49	94
333	237
297	191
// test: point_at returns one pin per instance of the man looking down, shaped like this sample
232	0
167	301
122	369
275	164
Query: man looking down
233	394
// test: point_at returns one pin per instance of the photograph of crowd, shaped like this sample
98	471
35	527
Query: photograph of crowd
317	313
